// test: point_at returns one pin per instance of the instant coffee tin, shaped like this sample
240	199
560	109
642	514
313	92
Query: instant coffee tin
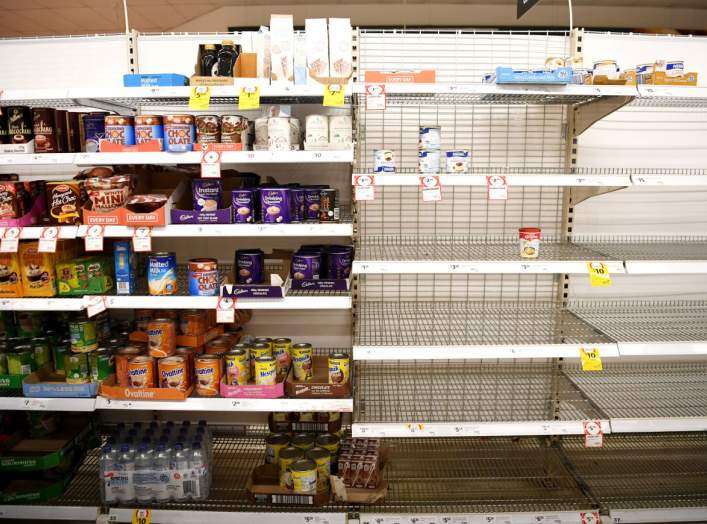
208	129
120	129
178	132
203	277
149	128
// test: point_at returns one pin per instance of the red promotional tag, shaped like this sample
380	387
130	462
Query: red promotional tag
47	239
593	434
226	310
211	164
431	188
363	187
93	241
497	187
10	241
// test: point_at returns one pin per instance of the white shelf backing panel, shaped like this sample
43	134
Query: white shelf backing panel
229	404
632	473
465	398
47	404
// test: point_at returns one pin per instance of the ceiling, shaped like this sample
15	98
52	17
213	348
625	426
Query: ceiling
78	17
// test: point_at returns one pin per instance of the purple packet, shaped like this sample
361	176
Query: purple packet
311	203
305	266
297	204
206	194
249	266
242	204
275	205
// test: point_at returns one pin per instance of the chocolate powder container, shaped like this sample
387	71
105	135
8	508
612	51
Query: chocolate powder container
19	124
4	135
45	131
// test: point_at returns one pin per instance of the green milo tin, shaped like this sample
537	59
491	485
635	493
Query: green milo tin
76	368
42	351
60	349
83	335
3	363
102	364
21	361
29	324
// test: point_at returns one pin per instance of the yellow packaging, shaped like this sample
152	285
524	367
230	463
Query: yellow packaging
37	270
10	280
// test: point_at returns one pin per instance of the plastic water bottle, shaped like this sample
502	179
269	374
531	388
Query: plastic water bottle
199	464
160	465
125	467
107	467
143	478
180	463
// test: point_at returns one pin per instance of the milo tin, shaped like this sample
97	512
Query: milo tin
302	361
281	354
304	476
303	441
84	335
21	361
60	349
101	363
76	368
329	442
263	340
3	362
274	443
288	456
42	351
237	367
339	368
322	458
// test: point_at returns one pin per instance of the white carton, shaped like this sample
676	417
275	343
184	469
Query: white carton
281	49
340	47
317	42
300	59
261	46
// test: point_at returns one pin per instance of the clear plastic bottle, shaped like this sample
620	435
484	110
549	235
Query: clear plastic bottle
143	480
180	465
160	465
107	468
125	468
199	464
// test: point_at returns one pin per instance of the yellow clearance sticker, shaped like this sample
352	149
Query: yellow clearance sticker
598	274
249	98
199	98
142	516
591	361
334	95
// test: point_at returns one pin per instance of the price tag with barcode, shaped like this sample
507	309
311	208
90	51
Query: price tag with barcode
363	187
47	239
142	516
226	310
497	187
93	241
593	434
211	164
142	239
431	188
10	241
95	305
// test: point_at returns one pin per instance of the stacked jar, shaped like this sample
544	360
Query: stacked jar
429	145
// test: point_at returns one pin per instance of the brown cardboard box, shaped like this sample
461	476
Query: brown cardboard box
264	487
319	386
246	67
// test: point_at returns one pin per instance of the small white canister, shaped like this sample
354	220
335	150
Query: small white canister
428	162
279	133
340	131
458	161
317	130
607	68
674	68
261	133
430	138
384	160
294	133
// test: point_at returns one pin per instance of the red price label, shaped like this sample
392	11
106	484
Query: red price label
211	164
497	186
47	239
226	310
375	97
142	239
363	187
10	241
431	188
593	434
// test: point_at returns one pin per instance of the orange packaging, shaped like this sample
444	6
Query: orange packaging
218	346
122	358
142	318
170	313
10	280
37	269
189	355
207	369
141	372
173	373
193	322
161	337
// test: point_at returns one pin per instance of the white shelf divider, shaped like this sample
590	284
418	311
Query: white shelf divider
48	404
557	517
230	404
168	516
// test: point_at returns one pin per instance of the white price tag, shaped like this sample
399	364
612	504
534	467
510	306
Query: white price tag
497	187
375	97
431	188
226	310
36	403
211	164
95	305
142	239
47	239
593	434
363	187
93	241
590	517
10	241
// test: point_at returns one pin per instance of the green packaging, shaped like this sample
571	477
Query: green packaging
21	361
76	368
42	351
102	364
91	275
29	324
84	336
3	362
59	350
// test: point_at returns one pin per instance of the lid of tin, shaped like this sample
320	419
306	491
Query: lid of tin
291	452
175	359
265	358
327	438
282	340
260	345
210	46
302	345
141	359
317	453
22	348
208	357
130	350
241	345
303	465
102	350
162	319
163	254
302	438
277	438
338	354
226	42
529	230
262	339
237	352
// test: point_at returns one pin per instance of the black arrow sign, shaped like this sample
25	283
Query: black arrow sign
524	6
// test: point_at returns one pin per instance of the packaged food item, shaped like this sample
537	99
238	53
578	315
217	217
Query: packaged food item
218	346
674	68
428	162
340	129
274	443
125	267
316	130
287	457
173	373
383	161
317	48
302	361
242	202
141	372
10	280
208	375
529	242
84	334
76	368
275	205
122	359
329	442
232	126
37	271
207	194
312	197
4	134
41	351
226	58
304	476
305	266
93	130
208	129
265	371
90	275
161	337
162	273
64	202
178	132
203	277
237	367
250	266
329	205
261	133
281	348
9	204
430	138
193	322
19	124
148	128
608	68
338	260
101	363
209	60
458	162
340	47
281	49
142	317
59	350
21	360
297	205
258	350
120	129
339	368
45	130
279	138
322	458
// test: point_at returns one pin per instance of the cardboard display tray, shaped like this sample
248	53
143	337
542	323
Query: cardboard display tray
22	491
46	384
603	80
192	341
264	488
252	390
113	391
151	146
319	386
659	78
357	495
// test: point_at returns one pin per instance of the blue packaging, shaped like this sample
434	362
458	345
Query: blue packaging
94	129
125	267
155	80
148	128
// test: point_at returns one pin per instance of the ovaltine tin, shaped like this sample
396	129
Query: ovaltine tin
208	129
304	476
296	204
161	337
237	367
274	443
249	266
207	194
303	441
383	161
148	128
258	350
339	368
305	266
122	358
142	317
94	128
275	205
329	205
203	277
322	458
141	372
329	442
529	242
192	322
162	273
302	361
288	456
311	203
428	162
338	261
265	371
178	132
207	369
281	354
218	346
231	128
120	129
173	373
189	354
430	137
242	202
